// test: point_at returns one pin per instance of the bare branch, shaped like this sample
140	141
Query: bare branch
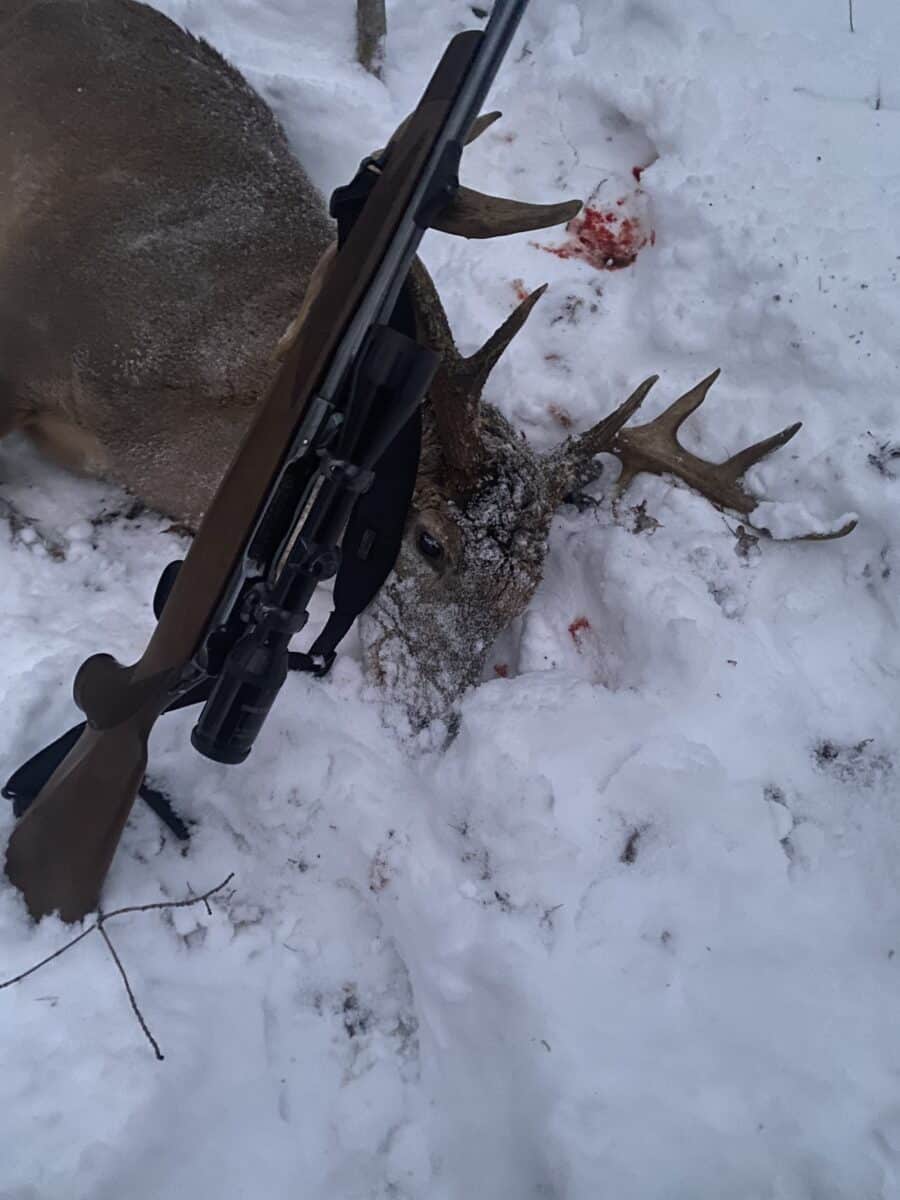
50	957
371	31
98	925
134	1004
192	900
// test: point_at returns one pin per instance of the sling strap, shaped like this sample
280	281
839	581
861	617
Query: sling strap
372	539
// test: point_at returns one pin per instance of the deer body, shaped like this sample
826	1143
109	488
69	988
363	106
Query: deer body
156	236
156	240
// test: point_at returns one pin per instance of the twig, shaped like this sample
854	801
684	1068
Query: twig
99	923
50	957
134	1004
117	912
850	2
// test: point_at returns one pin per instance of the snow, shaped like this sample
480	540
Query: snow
634	932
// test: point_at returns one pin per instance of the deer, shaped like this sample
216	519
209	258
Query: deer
150	276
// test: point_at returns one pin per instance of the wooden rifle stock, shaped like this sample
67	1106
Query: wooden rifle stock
62	847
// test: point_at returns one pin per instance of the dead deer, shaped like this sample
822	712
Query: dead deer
156	239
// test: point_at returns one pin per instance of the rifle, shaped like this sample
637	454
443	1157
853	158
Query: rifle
347	388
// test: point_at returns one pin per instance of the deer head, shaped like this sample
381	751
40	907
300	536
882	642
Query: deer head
476	539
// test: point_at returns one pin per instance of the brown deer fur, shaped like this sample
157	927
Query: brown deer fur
156	235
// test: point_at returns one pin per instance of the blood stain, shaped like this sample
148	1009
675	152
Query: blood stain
577	627
560	415
605	239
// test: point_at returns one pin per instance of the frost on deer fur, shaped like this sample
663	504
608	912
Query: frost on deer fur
427	634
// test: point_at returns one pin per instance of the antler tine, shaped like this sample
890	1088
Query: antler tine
655	448
599	436
479	365
480	124
741	462
828	535
677	413
477	128
475	215
431	317
455	394
571	464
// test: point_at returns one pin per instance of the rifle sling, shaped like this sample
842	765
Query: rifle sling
372	538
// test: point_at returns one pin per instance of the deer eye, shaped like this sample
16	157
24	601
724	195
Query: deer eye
429	546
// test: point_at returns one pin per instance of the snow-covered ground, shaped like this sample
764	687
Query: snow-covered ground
635	933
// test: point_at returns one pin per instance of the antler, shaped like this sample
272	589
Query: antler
455	394
473	214
655	448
